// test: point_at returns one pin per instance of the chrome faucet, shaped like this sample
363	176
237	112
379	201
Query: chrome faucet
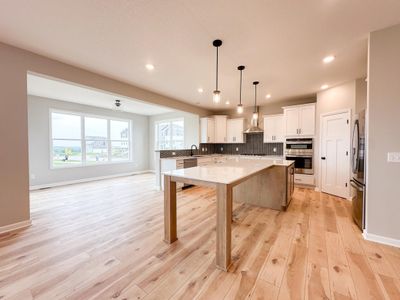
191	149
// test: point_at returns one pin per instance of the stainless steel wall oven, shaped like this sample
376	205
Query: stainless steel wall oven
301	151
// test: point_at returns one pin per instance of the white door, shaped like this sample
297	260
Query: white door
292	121
335	158
307	120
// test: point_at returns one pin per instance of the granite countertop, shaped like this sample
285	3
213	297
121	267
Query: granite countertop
228	172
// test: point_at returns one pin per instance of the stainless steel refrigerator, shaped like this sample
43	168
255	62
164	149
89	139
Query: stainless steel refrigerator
358	166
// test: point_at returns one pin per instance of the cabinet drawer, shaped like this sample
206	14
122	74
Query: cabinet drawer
304	179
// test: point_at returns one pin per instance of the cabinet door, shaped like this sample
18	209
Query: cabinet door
269	128
234	130
292	121
307	120
207	130
279	129
230	130
220	129
210	130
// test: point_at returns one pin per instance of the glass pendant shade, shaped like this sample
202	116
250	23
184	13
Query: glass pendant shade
239	109
216	96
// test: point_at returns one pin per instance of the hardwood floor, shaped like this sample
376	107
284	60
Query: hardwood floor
104	240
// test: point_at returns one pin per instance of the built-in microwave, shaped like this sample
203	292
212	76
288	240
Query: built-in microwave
301	151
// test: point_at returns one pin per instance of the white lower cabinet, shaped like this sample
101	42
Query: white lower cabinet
304	179
170	165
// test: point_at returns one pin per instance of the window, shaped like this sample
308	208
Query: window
170	134
79	140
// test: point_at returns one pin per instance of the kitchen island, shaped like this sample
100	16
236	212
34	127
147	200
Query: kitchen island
267	183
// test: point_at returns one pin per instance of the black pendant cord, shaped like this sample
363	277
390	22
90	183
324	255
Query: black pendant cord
240	95
216	78
255	95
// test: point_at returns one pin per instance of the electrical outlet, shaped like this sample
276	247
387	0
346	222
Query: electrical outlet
274	149
222	148
393	157
202	149
33	176
237	149
173	153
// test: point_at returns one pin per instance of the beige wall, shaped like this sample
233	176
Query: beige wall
383	178
15	63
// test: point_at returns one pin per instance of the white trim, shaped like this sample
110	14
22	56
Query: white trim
15	226
381	239
68	182
321	116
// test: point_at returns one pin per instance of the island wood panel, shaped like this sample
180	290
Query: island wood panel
267	189
103	240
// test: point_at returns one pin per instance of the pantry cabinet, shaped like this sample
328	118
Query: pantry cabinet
274	129
299	120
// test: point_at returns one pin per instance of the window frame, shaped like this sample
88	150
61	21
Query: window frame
170	121
83	140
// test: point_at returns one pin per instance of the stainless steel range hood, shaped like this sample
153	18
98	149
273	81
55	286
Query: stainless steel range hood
254	126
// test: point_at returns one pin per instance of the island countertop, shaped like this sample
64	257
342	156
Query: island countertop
228	172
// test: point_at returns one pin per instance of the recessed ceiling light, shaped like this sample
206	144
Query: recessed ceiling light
200	90
149	67
227	103
328	59
268	96
324	87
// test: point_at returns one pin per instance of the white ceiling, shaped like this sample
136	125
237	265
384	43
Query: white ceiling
60	90
281	43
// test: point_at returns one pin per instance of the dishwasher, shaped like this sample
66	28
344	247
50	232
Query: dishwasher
189	163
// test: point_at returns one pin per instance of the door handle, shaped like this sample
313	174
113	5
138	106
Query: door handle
323	157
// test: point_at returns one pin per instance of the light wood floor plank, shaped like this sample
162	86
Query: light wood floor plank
104	240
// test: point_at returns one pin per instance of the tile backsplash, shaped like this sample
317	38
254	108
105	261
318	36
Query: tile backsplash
254	145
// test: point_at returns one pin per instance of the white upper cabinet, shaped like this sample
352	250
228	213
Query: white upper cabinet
274	129
234	130
220	129
307	120
299	120
207	128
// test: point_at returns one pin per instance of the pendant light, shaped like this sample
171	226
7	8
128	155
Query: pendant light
217	93
255	112
240	105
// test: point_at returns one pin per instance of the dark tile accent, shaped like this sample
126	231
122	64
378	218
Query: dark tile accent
254	145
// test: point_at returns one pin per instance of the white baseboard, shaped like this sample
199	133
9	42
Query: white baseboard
381	239
15	226
61	183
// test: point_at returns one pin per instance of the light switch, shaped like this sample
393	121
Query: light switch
222	148
173	153
274	149
237	149
393	157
